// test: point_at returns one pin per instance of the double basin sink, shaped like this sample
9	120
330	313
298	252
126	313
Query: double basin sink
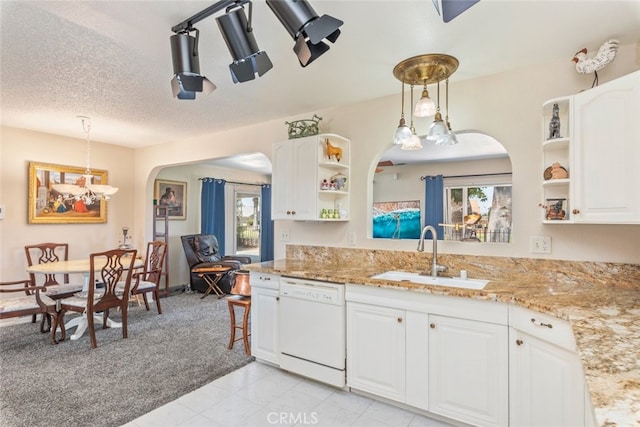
421	279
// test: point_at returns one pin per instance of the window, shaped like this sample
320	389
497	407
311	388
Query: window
477	211
246	215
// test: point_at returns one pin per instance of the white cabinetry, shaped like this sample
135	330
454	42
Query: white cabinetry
401	346
376	350
607	152
264	316
599	146
468	370
299	168
546	379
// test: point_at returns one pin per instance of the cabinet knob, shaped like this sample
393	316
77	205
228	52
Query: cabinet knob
277	298
399	319
293	212
519	342
575	211
288	212
432	325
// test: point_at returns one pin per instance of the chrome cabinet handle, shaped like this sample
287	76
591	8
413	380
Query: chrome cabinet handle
537	322
265	278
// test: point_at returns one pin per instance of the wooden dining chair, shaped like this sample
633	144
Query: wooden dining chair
148	279
110	268
30	301
57	285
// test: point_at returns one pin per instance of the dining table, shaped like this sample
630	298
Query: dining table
83	267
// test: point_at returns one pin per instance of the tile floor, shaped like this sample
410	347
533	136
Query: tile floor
260	395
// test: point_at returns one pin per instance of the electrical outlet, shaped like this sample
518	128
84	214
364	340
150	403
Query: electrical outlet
540	245
352	238
284	236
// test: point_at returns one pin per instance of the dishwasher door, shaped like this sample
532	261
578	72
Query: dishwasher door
312	322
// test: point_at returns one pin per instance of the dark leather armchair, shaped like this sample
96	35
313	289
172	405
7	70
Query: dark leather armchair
202	250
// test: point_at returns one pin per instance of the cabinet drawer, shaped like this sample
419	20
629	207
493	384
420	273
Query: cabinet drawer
264	280
543	326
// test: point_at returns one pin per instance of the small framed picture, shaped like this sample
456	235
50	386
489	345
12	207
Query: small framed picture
173	196
556	209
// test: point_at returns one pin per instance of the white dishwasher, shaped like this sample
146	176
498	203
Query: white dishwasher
312	329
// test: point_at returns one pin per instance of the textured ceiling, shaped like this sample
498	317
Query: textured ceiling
111	59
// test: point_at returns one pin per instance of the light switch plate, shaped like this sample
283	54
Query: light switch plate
352	238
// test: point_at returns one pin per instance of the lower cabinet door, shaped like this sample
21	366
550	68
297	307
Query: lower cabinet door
264	324
547	383
468	370
376	350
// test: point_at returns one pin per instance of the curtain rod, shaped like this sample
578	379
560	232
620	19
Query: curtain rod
237	182
422	178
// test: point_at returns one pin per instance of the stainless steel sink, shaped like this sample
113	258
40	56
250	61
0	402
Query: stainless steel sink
452	282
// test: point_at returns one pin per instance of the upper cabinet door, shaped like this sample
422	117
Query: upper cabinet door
606	157
310	179
294	171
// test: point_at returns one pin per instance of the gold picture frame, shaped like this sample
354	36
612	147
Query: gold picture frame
173	196
48	206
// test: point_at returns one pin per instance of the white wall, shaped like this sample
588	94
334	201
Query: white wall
19	147
506	106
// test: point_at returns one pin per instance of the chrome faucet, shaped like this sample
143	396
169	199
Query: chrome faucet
435	268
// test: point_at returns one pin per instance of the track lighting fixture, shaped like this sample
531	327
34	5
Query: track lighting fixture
187	80
248	59
305	26
307	29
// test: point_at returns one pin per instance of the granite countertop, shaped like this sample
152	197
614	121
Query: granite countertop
601	301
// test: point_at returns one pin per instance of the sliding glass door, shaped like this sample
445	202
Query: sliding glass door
247	203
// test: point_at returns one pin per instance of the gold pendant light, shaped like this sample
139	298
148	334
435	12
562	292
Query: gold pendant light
423	70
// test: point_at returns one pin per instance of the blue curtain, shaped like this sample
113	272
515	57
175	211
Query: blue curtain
212	209
434	203
266	225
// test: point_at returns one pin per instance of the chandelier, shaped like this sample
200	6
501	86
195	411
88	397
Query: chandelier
85	189
424	70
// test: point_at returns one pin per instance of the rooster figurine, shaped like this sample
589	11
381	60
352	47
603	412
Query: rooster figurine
605	55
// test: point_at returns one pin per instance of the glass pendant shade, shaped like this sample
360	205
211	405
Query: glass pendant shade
402	134
425	107
438	128
413	143
449	139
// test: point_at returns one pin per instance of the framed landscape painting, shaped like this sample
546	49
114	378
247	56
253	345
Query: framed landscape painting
49	205
173	196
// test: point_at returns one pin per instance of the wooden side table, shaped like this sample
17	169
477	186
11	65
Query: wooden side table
212	276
